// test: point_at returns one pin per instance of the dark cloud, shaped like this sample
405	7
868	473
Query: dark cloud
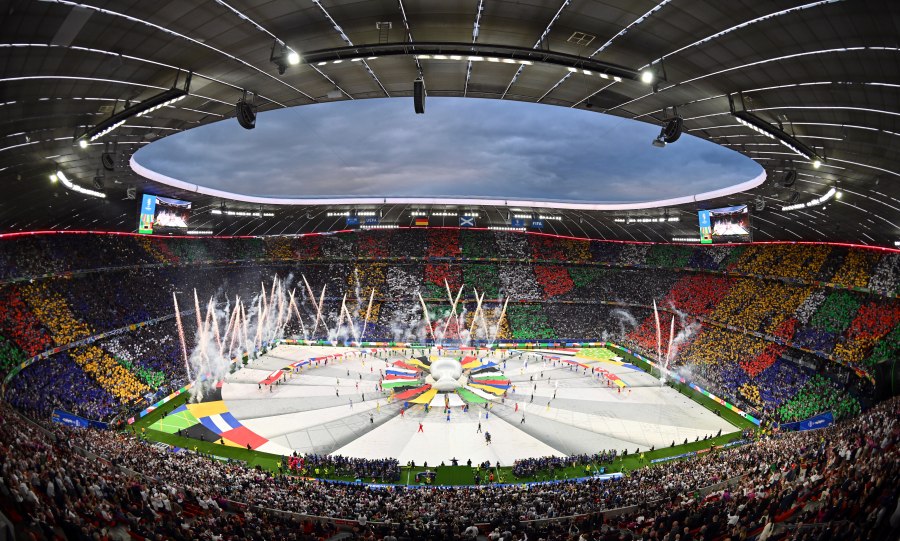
460	147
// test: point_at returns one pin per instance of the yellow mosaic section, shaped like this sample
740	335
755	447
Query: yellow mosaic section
53	311
856	268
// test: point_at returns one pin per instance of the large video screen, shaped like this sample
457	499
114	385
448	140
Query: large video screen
729	224
163	215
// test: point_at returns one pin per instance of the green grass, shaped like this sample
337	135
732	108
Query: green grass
453	475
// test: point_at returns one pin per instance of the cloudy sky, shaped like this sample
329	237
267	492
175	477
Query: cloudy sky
460	147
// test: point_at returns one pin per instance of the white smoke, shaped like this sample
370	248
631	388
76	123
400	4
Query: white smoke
227	331
623	317
688	327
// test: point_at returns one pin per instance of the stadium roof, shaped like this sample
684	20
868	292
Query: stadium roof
826	72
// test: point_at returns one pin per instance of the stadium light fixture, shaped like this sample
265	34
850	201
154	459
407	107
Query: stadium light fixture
152	103
757	124
647	77
815	202
54	178
75	187
242	213
283	56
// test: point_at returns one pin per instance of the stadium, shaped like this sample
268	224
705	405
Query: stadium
633	273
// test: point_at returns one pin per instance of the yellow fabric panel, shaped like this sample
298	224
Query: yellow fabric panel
206	409
425	398
488	388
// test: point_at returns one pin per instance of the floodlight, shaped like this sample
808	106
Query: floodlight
647	76
293	58
148	105
83	143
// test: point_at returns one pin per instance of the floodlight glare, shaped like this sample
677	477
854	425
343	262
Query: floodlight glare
838	195
53	178
817	163
75	187
647	76
293	58
83	143
148	105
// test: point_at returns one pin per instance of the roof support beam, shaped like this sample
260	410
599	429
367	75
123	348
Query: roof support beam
347	40
537	44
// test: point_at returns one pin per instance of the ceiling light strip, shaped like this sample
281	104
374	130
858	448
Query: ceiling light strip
776	87
95	79
279	40
828	108
349	42
475	31
582	100
746	24
139	59
410	38
536	45
182	36
758	63
622	32
625	30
